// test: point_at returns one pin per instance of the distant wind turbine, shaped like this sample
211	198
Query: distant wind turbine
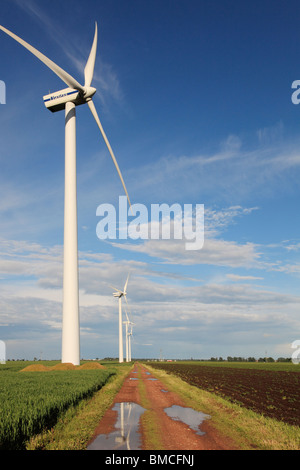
119	294
128	324
68	99
128	335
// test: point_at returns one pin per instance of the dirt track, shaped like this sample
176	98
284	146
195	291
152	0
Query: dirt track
169	434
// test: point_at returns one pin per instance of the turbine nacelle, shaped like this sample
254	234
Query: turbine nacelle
57	101
118	294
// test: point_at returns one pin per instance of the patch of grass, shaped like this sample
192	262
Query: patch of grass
150	425
76	427
149	420
247	429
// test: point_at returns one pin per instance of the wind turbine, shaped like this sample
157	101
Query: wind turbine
68	99
128	324
128	335
119	294
129	342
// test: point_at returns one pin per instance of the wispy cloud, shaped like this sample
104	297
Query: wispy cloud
271	134
237	277
234	173
217	220
214	252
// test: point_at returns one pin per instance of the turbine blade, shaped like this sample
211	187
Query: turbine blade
118	290
128	309
126	283
68	79
94	113
89	68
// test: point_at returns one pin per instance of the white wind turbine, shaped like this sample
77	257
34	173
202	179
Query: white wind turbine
119	294
68	99
128	335
128	324
129	342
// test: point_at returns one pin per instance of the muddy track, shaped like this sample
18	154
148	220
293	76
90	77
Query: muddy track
124	425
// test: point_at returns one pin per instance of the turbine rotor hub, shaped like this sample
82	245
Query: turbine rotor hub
89	91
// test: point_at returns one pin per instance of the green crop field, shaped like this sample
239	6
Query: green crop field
32	401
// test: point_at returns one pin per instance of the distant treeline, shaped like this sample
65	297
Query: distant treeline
251	359
215	359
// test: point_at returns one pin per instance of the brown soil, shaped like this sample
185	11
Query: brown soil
173	435
35	368
271	393
62	367
90	366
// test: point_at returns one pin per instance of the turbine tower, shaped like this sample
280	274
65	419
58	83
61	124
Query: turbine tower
128	335
68	99
119	294
126	323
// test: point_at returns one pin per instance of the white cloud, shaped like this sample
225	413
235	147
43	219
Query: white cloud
293	247
163	309
231	174
214	252
237	277
217	220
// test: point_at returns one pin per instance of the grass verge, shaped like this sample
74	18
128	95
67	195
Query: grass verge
247	429
76	427
149	423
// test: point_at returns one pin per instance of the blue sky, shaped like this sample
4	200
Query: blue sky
195	98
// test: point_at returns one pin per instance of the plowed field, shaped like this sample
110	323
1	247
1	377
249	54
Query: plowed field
275	394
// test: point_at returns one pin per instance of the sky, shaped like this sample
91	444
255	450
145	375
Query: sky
195	97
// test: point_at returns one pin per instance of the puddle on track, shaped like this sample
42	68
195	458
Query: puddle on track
188	416
125	436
